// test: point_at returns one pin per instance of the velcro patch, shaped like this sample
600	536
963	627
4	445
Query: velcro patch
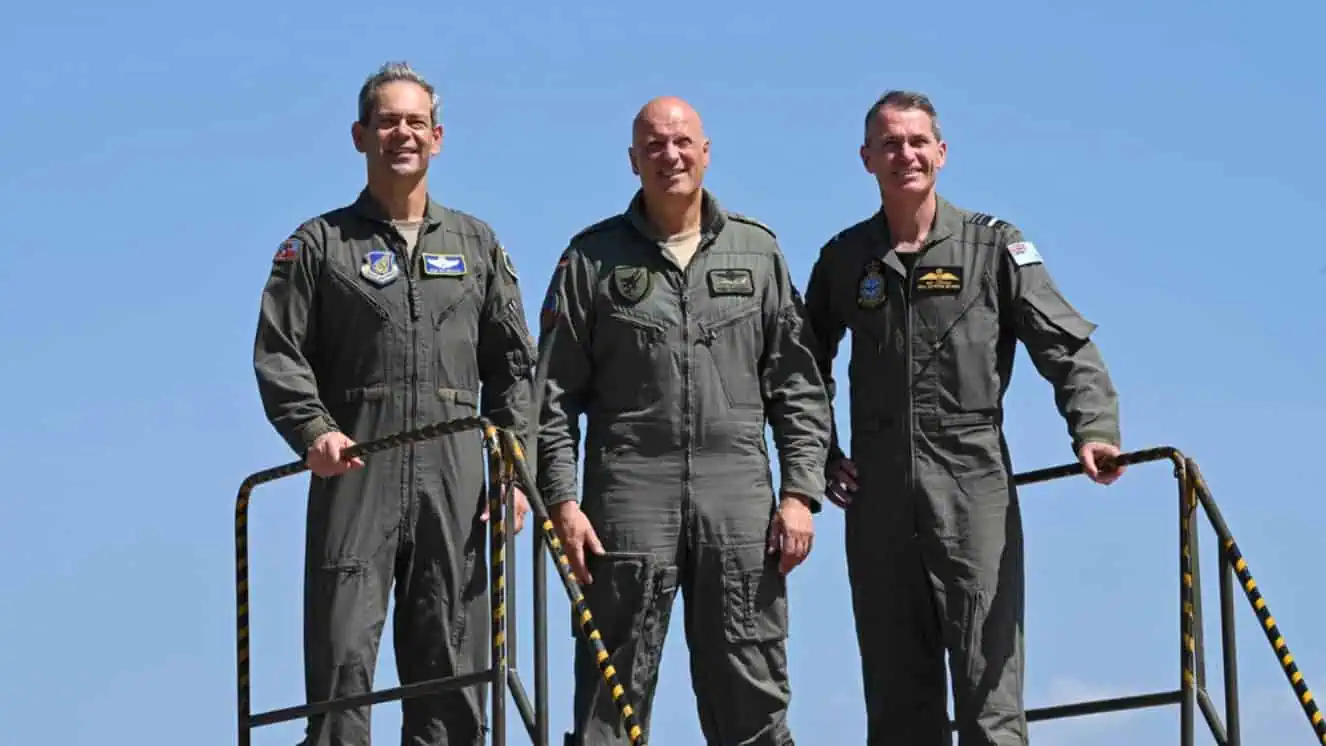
939	280
731	282
1024	253
288	251
444	265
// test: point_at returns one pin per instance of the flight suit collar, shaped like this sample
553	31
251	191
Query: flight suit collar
366	206
712	217
947	224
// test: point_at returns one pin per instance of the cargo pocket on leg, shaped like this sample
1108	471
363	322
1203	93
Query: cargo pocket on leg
754	595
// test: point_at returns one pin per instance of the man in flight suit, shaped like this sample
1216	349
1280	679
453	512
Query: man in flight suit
386	315
936	298
674	327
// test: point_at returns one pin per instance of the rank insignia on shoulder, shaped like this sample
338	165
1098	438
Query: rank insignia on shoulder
872	290
980	218
444	265
731	282
380	267
1024	253
939	280
288	251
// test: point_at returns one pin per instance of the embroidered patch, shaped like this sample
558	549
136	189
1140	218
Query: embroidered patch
288	251
939	281
444	265
380	267
731	282
631	283
507	264
1024	253
872	291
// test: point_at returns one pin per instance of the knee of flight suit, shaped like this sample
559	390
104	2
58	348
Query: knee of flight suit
754	595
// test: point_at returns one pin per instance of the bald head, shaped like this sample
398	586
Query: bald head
666	111
669	150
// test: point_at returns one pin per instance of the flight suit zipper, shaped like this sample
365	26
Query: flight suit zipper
688	389
412	373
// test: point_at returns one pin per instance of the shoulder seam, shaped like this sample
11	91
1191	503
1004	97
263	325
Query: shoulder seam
748	220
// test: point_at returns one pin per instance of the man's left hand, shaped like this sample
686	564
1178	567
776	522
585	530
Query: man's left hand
1099	460
522	508
792	532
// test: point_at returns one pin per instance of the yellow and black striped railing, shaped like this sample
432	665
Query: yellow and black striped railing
507	470
1191	695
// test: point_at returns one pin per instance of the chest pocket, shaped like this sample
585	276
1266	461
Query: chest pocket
349	305
734	340
961	335
632	359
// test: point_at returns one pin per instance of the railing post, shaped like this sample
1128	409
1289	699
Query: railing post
1229	648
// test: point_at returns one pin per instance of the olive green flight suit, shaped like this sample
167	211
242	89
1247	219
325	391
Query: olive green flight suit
677	372
358	334
934	533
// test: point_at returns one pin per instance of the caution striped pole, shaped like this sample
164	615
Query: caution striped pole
578	603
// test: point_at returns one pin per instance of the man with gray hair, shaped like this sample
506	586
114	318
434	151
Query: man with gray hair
936	298
385	315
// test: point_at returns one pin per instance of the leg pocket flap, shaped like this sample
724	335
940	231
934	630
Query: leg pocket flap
754	594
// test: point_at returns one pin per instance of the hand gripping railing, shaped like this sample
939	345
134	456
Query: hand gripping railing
506	460
1191	693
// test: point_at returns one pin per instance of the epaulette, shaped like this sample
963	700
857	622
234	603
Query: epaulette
990	221
748	220
601	225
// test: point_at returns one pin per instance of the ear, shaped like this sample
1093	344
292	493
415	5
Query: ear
437	140
630	155
704	151
943	155
357	136
865	159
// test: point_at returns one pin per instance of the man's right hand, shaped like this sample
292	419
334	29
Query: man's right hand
842	482
325	459
577	534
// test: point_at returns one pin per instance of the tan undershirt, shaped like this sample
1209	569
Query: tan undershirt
409	230
682	246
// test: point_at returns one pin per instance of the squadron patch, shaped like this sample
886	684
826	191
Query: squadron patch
631	283
380	267
444	265
872	290
940	281
1024	253
731	282
507	264
288	251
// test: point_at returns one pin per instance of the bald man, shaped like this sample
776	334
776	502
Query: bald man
675	328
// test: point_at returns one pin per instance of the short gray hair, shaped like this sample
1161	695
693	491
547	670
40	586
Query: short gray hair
394	72
905	100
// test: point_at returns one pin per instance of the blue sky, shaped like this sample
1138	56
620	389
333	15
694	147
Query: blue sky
1165	161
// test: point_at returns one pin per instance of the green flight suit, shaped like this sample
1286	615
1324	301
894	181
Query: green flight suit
677	373
360	335
934	533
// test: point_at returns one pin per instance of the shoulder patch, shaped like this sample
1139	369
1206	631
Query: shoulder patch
507	264
748	220
1024	253
601	225
980	218
288	251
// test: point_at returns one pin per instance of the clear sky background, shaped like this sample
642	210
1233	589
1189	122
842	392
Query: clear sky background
1166	161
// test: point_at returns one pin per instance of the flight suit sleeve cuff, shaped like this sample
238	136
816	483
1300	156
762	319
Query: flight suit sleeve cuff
1109	437
310	432
808	483
557	499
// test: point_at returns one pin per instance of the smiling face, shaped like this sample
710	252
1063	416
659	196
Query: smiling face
903	152
399	135
669	151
